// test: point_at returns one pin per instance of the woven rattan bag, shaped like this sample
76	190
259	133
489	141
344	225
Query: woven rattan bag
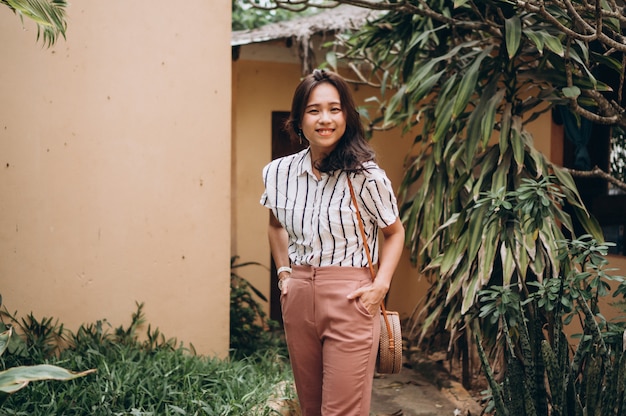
390	347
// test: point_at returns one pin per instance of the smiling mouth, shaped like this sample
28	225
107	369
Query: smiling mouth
325	132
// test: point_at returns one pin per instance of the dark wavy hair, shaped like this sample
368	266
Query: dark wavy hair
353	149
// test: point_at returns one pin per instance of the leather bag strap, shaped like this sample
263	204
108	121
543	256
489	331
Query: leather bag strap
369	260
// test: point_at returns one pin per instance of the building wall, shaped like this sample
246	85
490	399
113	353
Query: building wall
115	168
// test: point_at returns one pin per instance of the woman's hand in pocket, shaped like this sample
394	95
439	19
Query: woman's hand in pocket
371	296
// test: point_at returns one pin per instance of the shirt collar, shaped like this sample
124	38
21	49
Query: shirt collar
305	165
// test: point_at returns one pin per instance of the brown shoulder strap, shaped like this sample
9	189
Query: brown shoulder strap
362	228
369	260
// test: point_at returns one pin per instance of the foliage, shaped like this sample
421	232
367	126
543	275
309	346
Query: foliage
48	15
557	47
14	379
544	371
465	86
246	17
141	374
250	330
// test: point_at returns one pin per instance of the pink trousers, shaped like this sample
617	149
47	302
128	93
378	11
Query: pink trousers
332	341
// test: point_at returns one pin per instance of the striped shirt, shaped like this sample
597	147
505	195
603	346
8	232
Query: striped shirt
319	216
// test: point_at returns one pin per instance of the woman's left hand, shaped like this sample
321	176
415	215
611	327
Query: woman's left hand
371	296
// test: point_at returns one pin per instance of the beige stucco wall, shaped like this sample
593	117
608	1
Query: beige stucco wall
115	168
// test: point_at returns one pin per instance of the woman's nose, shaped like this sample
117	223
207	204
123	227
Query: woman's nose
324	116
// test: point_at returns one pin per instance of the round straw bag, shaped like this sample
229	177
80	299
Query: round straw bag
390	349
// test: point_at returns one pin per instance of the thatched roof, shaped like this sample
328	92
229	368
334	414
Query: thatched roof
340	18
299	31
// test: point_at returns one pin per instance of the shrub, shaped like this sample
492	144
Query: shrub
250	329
149	375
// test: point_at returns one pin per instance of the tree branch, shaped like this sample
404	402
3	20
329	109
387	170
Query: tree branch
596	172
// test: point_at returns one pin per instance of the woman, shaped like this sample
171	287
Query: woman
329	303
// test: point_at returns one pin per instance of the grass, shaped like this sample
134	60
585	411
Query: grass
150	377
132	382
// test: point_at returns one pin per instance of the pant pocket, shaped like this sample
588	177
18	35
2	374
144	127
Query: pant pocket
358	304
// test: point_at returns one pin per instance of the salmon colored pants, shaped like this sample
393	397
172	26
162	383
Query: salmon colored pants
332	341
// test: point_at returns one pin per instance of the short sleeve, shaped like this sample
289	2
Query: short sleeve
269	181
378	196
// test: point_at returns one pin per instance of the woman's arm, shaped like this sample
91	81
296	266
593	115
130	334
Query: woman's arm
279	243
372	295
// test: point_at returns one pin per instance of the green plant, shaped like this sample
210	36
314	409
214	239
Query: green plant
48	15
467	78
141	374
244	16
250	329
38	340
520	322
16	378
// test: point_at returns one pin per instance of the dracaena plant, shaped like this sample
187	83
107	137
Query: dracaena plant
466	78
469	89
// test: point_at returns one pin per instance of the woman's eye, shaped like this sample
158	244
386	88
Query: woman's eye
336	110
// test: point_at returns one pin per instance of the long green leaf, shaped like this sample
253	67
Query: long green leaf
554	44
521	255
444	121
568	183
452	220
4	340
489	117
505	127
508	264
517	142
534	35
453	255
15	378
425	71
430	319
487	164
487	253
469	293
476	223
513	34
425	86
589	223
394	103
474	123
499	178
458	280
468	84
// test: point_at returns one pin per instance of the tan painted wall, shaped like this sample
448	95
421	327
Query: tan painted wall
258	89
115	167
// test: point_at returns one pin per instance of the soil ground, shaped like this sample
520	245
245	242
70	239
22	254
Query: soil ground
425	388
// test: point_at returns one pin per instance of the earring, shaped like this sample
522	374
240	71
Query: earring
300	136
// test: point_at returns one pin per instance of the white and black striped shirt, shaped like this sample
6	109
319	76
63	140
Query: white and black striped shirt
319	215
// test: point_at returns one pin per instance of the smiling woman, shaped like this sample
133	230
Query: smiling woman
323	122
330	304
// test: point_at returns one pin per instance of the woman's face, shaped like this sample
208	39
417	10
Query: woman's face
323	122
